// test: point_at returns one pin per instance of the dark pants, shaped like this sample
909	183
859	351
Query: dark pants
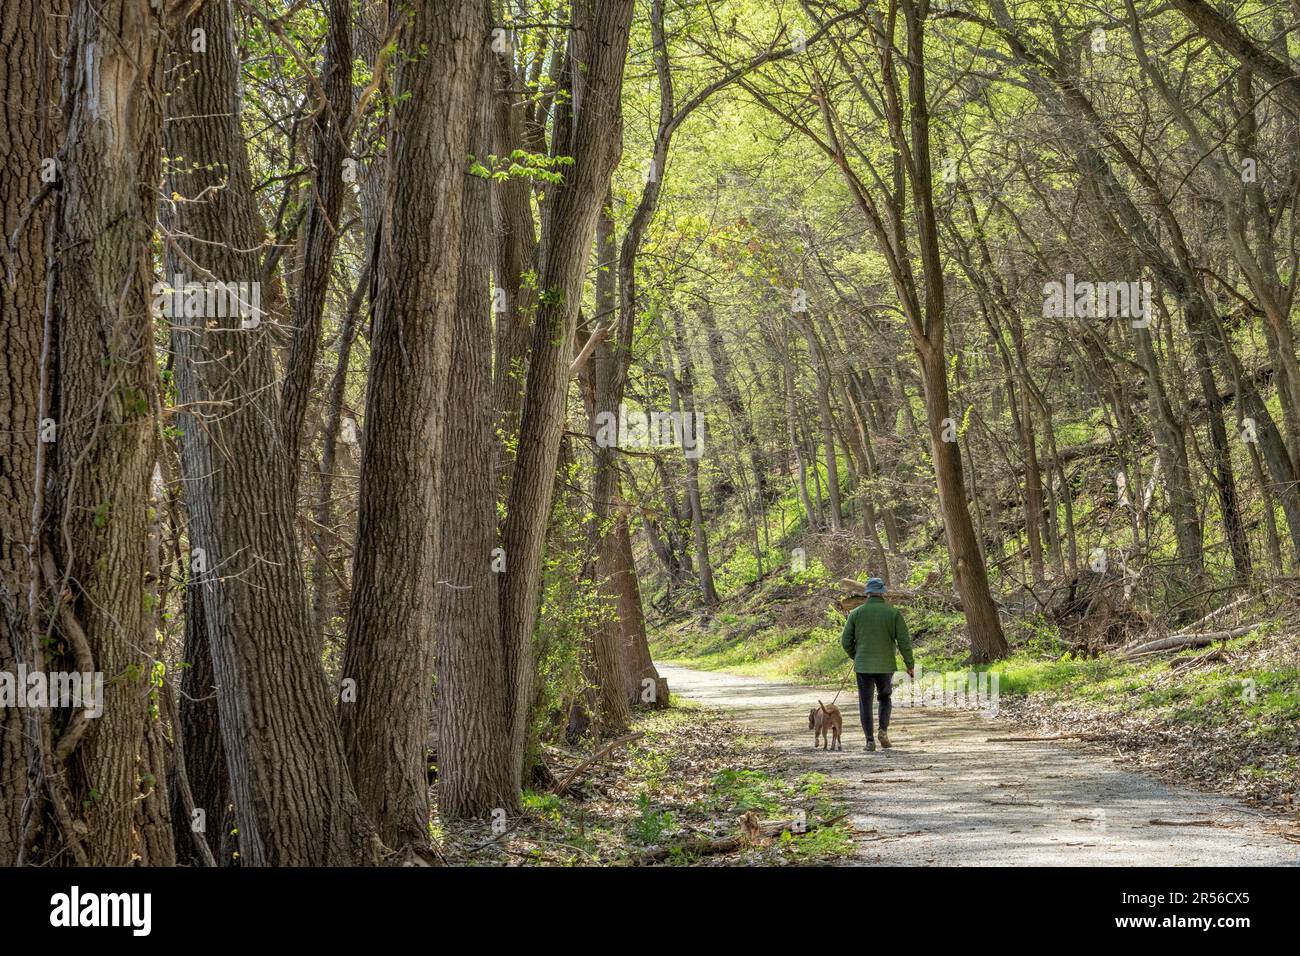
883	686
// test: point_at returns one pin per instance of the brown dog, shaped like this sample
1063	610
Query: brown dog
822	718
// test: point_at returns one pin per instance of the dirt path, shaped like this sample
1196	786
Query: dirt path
947	795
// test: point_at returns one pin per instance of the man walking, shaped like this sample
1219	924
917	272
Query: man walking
871	633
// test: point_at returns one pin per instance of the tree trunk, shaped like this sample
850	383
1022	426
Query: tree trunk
589	130
29	134
107	388
606	373
475	770
320	230
724	379
969	572
294	803
822	368
391	623
199	739
685	406
792	439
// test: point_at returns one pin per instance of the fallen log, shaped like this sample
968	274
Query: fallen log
700	847
1178	642
752	835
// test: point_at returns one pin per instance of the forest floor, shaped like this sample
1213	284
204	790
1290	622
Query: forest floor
680	785
955	791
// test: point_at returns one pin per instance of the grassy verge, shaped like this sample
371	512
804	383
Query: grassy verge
688	779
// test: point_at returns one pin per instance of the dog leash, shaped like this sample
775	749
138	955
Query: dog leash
844	683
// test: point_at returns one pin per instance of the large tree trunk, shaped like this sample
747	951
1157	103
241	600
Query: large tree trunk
475	772
322	571
513	300
29	134
985	630
368	33
391	625
294	801
107	392
588	128
638	666
969	572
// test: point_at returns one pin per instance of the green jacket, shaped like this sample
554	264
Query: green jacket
872	631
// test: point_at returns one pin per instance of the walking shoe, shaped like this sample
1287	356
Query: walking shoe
871	745
884	740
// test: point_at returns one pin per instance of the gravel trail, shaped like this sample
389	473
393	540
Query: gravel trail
946	794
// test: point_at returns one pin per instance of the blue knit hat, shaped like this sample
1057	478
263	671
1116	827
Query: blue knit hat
875	586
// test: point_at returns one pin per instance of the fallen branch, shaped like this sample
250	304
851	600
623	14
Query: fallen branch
562	787
893	836
1192	663
1012	803
703	846
1178	642
697	847
1218	612
1182	823
928	766
777	827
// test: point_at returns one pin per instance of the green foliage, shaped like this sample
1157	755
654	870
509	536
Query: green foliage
546	806
651	825
534	167
747	790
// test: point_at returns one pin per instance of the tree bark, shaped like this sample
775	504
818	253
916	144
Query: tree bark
294	803
606	373
107	395
589	129
391	623
29	135
476	774
321	228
